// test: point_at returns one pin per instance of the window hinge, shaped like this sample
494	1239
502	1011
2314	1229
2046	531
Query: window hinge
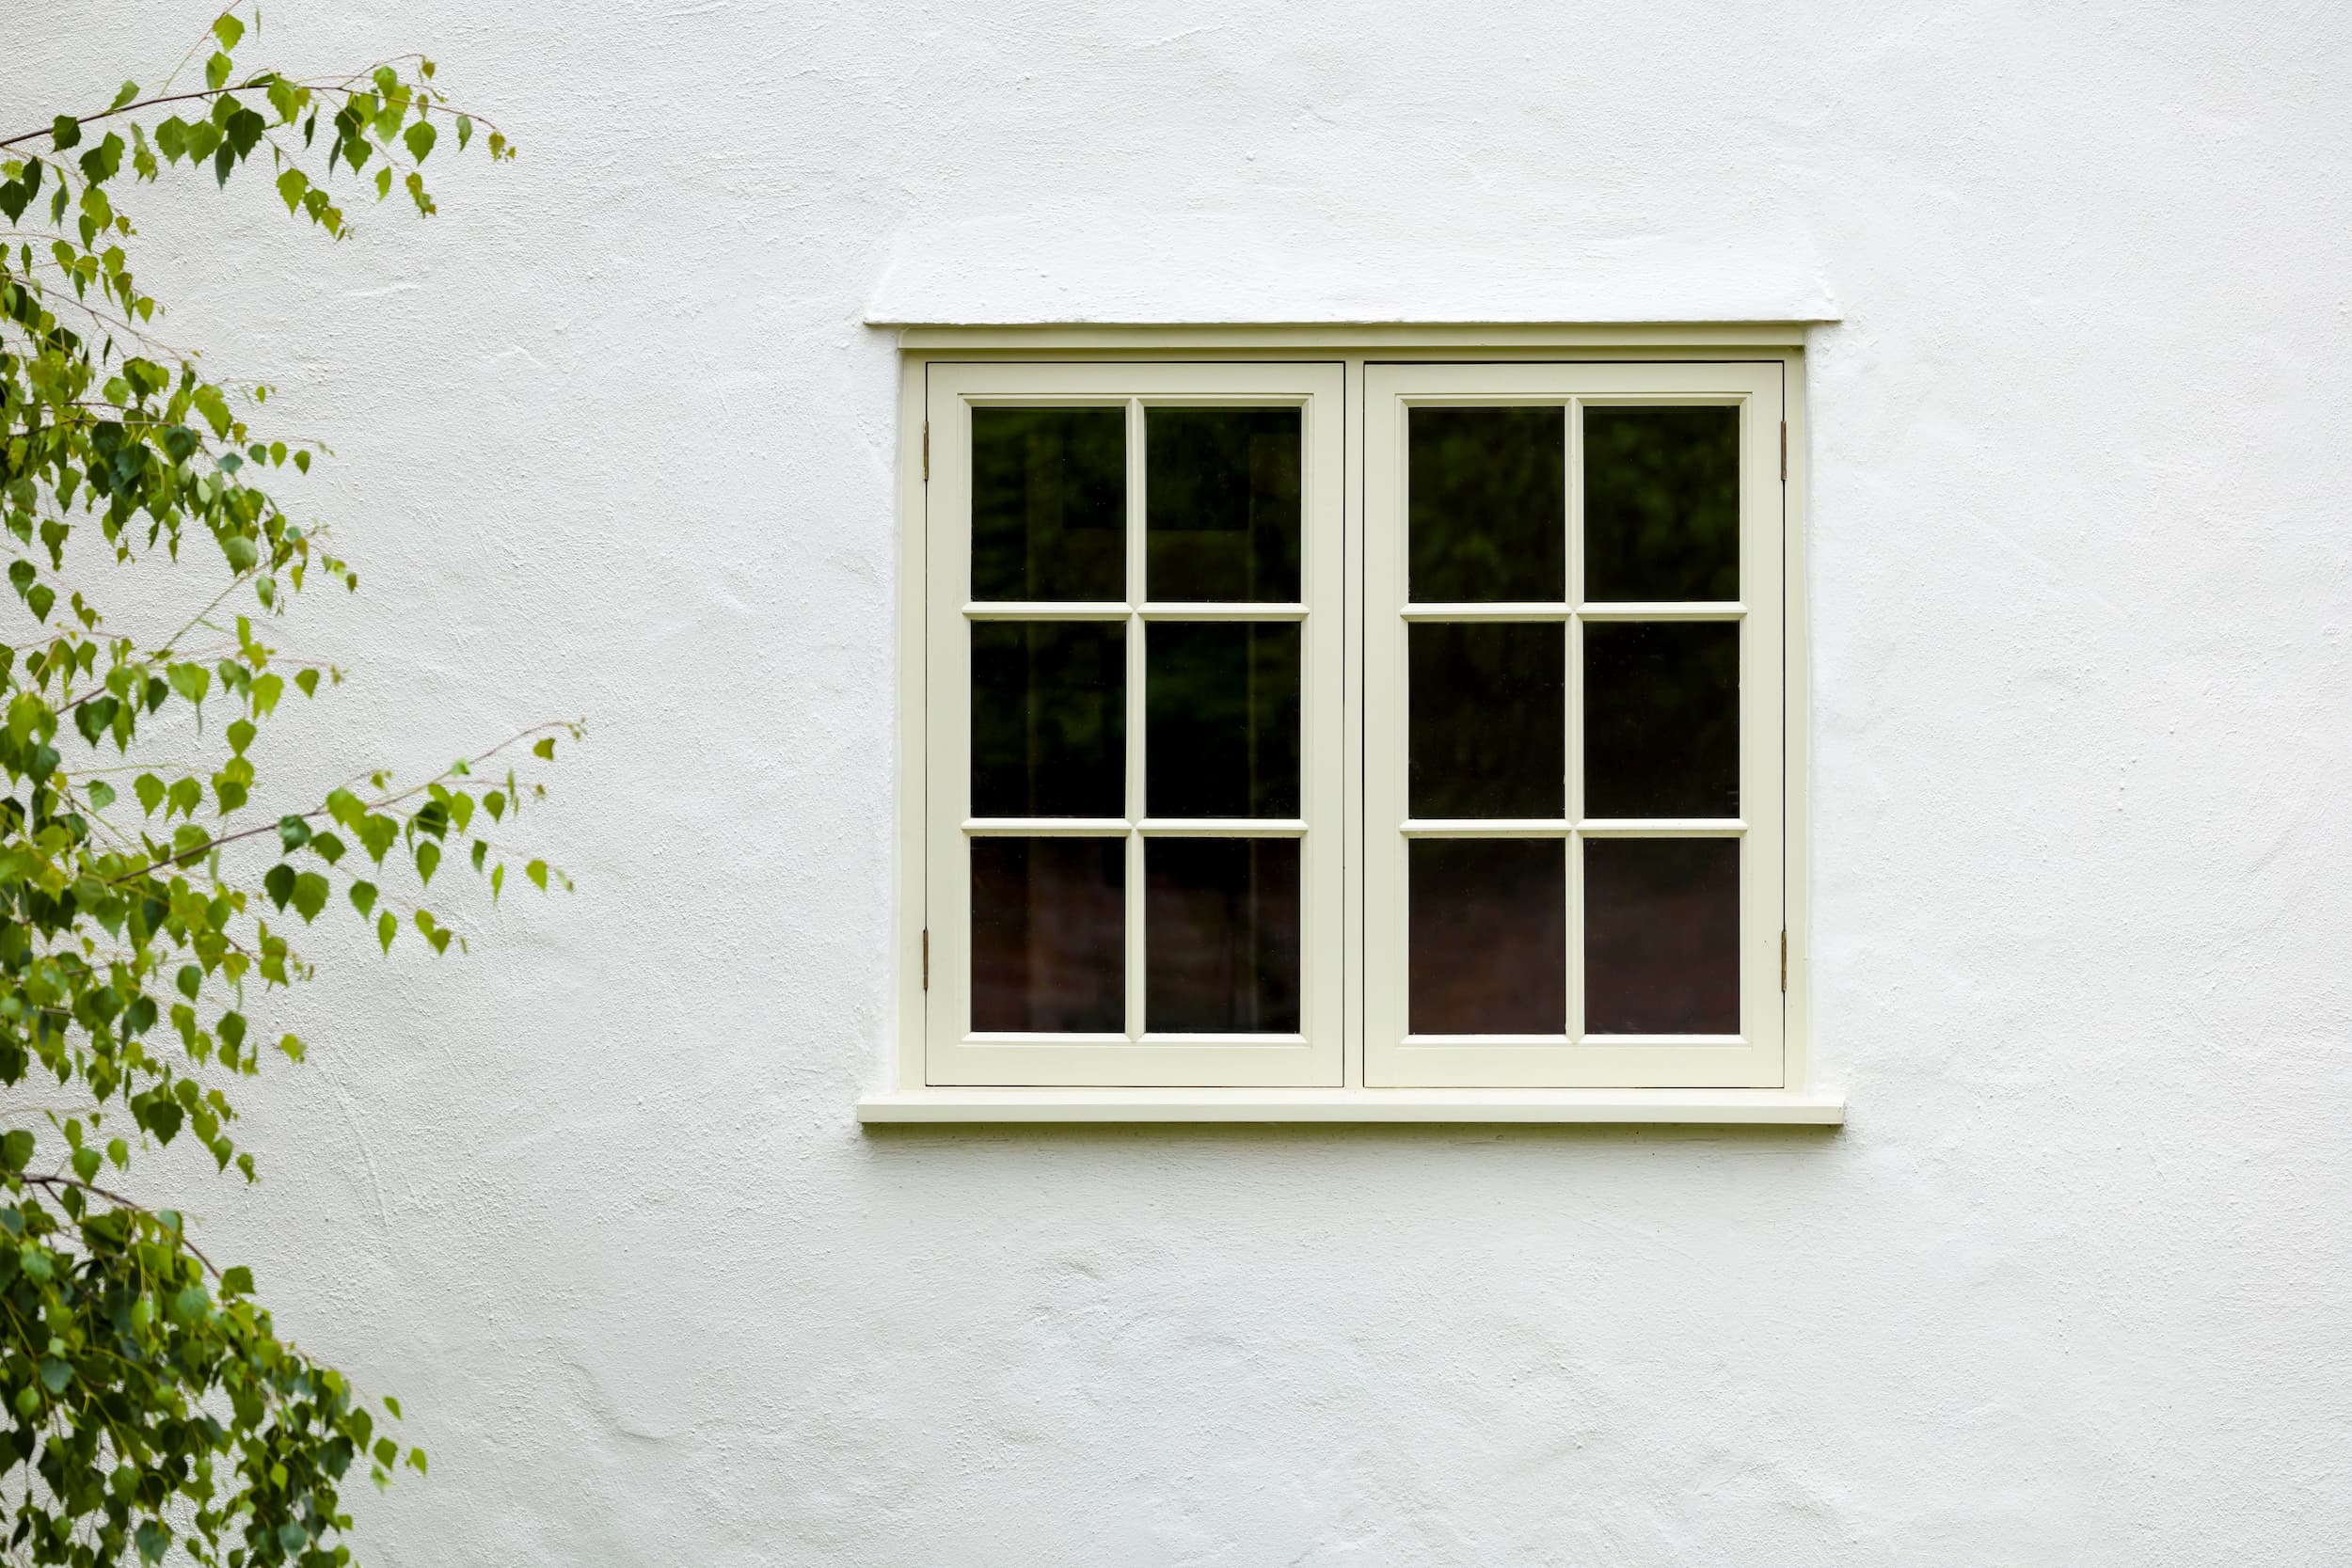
1784	465
1784	961
927	452
926	961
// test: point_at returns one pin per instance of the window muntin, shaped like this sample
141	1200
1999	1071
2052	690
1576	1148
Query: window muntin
1134	856
1572	725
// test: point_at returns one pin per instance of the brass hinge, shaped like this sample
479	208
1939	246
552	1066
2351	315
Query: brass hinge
926	961
927	452
1784	961
1784	467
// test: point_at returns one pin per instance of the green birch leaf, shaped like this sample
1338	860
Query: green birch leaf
377	835
309	896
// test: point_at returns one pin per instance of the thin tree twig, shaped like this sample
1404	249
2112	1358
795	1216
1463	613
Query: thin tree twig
180	1230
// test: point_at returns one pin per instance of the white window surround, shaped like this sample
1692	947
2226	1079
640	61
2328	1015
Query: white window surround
1380	1083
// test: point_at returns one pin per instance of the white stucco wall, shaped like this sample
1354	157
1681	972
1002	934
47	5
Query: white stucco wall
2073	1287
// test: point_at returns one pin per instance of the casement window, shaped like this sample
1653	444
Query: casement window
1299	728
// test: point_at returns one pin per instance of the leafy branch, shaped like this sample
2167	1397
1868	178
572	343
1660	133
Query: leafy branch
146	1405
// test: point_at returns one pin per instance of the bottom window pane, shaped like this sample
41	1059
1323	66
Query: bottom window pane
1488	941
1661	936
1220	936
1049	935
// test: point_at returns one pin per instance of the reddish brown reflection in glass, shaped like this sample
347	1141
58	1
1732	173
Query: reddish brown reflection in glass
1220	935
1661	936
1488	937
1049	934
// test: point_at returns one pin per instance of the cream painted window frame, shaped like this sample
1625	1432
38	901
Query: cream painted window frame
954	1056
1750	1059
914	1093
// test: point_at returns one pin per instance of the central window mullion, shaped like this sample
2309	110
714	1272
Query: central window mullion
1135	725
1573	786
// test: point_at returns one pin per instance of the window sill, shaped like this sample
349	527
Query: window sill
1740	1107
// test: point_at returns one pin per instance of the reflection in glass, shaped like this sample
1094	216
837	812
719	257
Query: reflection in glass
1221	700
1220	504
1488	939
1662	503
1220	935
1661	719
1049	503
1049	703
1661	936
1049	934
1486	719
1486	504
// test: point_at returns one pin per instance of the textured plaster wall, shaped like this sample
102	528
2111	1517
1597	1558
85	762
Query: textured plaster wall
2074	1285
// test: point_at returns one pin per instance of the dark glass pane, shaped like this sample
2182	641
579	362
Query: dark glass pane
1222	705
1049	921
1488	937
1220	504
1661	936
1049	708
1049	503
1488	719
1662	503
1220	935
1488	514
1661	719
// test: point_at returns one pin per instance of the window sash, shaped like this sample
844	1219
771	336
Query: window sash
1393	1057
956	1055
